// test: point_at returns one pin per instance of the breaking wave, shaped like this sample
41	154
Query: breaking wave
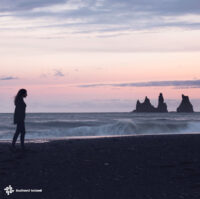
104	124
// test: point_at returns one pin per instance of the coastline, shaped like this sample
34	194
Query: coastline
138	166
93	137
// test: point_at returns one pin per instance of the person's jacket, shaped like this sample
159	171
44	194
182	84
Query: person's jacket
20	109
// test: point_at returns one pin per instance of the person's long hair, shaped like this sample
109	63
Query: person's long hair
20	95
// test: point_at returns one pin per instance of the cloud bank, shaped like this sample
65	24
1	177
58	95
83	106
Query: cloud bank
175	83
86	16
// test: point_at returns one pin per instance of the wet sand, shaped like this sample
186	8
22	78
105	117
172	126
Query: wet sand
135	167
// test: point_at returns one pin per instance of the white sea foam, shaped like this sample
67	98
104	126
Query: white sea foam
59	125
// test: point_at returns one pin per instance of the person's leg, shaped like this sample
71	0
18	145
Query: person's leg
16	135
23	131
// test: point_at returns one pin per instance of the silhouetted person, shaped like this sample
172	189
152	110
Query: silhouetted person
19	117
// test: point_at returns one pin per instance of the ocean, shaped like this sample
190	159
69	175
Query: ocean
65	125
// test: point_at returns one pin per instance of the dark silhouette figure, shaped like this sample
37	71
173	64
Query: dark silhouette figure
19	117
185	106
147	107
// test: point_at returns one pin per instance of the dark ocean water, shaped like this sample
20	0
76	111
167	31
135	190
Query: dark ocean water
63	125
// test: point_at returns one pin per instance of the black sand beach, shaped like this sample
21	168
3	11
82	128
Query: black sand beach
135	167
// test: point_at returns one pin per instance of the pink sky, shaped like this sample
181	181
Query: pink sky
53	81
52	54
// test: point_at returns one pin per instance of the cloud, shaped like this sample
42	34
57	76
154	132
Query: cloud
58	73
8	78
23	5
175	83
103	16
94	7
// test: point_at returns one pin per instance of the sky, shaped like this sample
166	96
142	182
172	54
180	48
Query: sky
99	55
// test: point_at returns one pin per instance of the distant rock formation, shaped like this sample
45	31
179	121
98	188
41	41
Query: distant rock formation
185	106
147	107
162	107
